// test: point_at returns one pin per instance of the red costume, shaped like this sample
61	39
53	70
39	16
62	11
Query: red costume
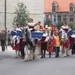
42	40
50	45
66	44
17	47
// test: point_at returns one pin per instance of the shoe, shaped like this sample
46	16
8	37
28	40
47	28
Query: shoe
44	56
55	56
22	57
41	57
49	56
58	56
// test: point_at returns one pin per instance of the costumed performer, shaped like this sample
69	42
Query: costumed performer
17	37
73	43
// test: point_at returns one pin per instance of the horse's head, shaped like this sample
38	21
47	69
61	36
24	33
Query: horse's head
15	40
64	36
26	34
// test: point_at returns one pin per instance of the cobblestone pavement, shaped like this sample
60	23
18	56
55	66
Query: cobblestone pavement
9	65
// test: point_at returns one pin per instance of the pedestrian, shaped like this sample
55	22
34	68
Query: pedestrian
9	37
3	39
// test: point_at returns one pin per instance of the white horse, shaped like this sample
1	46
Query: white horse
65	44
29	48
15	45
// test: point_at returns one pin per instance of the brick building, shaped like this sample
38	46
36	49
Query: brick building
62	10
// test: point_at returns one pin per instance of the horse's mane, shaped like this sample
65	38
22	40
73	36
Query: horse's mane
26	33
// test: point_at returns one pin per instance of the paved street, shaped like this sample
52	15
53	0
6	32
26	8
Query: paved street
9	65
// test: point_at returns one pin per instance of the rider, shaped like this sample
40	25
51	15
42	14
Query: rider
39	27
31	25
17	32
65	27
68	30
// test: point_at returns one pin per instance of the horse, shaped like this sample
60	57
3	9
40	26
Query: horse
65	43
15	44
29	47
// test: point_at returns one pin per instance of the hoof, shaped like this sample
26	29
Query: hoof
68	55
65	55
16	56
30	59
26	60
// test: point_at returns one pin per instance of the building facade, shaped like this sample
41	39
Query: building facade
35	7
62	10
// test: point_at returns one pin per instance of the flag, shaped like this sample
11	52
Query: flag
53	22
44	18
49	17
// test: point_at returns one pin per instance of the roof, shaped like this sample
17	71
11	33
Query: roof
63	5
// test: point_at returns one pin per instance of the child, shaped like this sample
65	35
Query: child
50	46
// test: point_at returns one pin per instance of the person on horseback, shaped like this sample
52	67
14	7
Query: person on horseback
17	36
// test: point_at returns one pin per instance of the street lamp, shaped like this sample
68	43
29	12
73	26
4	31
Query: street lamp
5	17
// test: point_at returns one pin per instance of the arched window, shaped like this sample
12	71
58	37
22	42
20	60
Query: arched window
54	6
71	7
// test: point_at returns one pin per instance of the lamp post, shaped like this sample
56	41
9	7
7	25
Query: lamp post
5	17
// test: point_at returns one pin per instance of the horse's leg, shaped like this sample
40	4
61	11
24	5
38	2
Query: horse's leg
26	57
35	51
39	49
62	50
31	55
19	53
67	51
16	53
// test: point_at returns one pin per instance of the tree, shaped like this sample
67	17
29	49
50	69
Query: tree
22	15
72	26
59	24
47	22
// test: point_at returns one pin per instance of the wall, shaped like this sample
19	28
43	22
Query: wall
35	7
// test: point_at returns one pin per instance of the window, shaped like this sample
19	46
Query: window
54	6
64	18
71	18
59	17
71	7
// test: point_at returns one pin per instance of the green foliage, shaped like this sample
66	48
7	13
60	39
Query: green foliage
22	15
59	24
47	22
72	26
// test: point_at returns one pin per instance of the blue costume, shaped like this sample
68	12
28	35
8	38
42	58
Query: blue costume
17	33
